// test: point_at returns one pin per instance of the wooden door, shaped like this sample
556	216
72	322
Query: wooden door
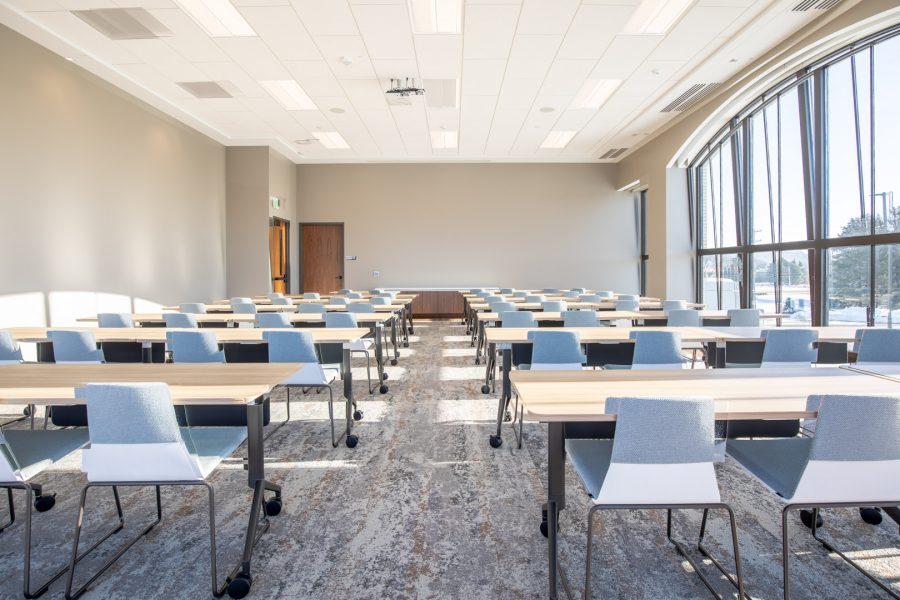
323	256
279	255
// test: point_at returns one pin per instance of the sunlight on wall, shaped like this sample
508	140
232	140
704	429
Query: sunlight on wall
22	310
67	307
146	306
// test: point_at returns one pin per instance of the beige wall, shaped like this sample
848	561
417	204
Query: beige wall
105	203
283	183
521	225
247	185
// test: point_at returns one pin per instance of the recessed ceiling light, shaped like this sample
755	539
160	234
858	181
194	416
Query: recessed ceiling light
331	140
305	142
436	16
595	92
442	140
347	60
655	17
217	17
655	71
70	59
289	94
547	109
336	110
558	139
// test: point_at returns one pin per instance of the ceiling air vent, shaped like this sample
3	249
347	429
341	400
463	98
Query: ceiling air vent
805	5
614	153
205	89
123	23
692	96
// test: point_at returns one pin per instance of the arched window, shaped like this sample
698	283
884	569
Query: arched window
797	200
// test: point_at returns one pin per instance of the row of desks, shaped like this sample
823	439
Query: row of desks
561	397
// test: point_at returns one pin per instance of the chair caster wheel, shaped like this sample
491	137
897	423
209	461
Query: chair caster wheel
44	503
406	344
871	515
27	411
357	415
383	389
485	389
273	507
806	519
496	441
394	362
507	417
239	587
384	376
477	361
352	441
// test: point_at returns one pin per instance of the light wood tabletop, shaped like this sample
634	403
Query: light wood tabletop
614	315
226	308
158	334
518	335
561	396
245	318
575	305
235	383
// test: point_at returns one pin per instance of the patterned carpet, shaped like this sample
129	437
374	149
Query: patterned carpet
425	508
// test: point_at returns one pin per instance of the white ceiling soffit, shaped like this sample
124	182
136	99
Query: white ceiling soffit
502	76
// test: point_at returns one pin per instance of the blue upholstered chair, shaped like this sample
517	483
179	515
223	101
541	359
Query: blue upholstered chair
10	353
590	298
282	301
380	300
554	306
493	298
519	294
180	319
507	291
517	318
571	294
668	446
476	290
114	320
361	307
555	351
484	293
355	296
502	306
25	454
685	317
344	291
333	353
338	300
244	308
75	347
241	300
878	346
274	295
789	347
196	308
744	317
852	460
627	305
606	294
312	307
552	291
670	305
634	297
311	296
535	298
136	441
657	350
273	320
194	347
580	318
578	290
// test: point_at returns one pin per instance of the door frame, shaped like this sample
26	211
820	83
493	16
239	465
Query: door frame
287	250
300	274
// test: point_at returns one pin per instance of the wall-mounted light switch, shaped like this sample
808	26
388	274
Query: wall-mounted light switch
376	273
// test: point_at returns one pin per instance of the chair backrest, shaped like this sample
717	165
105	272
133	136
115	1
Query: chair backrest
552	291
175	319
484	293
520	294
273	320
312	307
684	317
10	471
291	346
571	294
9	349
241	300
244	308
556	350
535	298
659	441
196	308
376	291
789	347
744	317
580	318
311	296
578	290
338	300
476	290
273	295
340	319
281	301
855	453
361	307
355	296
502	306
554	306
507	290
590	298
634	297
194	347
114	320
656	350
606	294
493	298
517	318
631	305
135	435
670	305
380	300
878	346
75	347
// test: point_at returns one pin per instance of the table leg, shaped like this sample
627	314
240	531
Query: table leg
496	440
409	316
347	376
394	340
556	496
379	355
146	352
479	343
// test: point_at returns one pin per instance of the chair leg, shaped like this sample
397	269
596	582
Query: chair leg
738	580
589	554
786	552
12	510
213	572
739	583
334	440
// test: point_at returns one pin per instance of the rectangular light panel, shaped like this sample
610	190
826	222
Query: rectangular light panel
443	140
655	17
289	94
331	140
217	17
436	16
558	139
595	92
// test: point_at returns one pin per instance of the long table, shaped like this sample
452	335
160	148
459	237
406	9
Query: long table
560	397
228	384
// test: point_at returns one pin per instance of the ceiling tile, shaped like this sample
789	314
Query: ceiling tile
567	76
482	77
489	30
254	56
532	55
475	118
396	69
518	93
504	131
334	48
624	55
315	77
190	41
439	56
540	16
365	93
592	30
380	124
282	31
328	17
697	28
231	72
386	31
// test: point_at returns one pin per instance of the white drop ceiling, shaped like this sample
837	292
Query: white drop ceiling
517	67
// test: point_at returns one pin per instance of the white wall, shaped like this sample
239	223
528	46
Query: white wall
521	225
105	203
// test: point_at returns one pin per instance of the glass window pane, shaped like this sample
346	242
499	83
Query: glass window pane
763	194
725	180
887	134
722	275
793	281
887	288
846	199
762	280
705	206
847	274
793	196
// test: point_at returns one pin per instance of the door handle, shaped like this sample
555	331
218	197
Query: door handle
340	276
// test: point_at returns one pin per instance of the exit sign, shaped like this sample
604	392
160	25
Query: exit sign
276	201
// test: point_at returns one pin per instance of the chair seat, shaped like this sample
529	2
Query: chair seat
361	345
211	445
776	463
550	367
313	374
36	450
591	459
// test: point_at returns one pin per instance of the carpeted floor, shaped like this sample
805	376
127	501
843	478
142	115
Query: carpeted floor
425	508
